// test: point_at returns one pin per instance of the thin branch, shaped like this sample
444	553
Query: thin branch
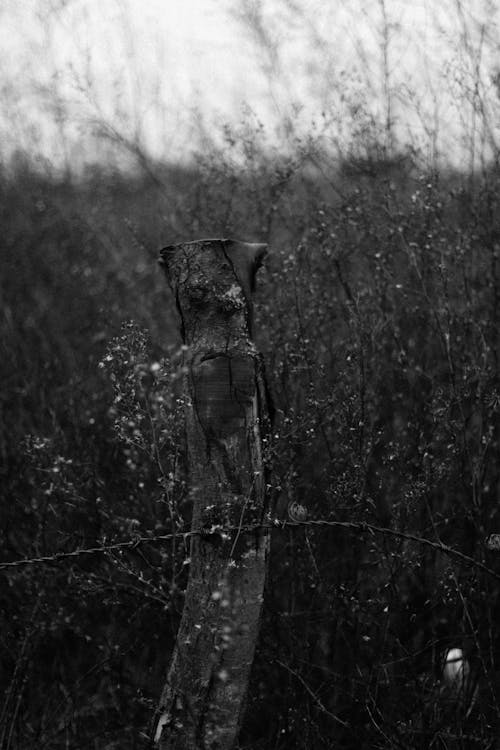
311	693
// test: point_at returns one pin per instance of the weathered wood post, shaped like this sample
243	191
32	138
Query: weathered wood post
204	696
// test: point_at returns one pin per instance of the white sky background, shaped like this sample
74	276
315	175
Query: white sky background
164	75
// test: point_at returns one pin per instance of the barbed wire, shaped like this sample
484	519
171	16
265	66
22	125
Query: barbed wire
358	526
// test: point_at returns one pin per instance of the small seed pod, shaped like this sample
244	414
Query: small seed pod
297	512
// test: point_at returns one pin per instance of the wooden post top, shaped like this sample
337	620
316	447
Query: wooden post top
245	257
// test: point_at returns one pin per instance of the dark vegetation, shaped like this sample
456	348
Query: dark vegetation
378	315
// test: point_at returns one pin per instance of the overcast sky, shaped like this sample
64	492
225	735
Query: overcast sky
162	73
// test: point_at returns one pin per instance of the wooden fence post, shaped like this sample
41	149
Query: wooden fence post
203	699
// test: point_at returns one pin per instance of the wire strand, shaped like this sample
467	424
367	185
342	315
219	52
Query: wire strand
357	526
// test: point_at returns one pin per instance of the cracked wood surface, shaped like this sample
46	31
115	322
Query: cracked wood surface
203	700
